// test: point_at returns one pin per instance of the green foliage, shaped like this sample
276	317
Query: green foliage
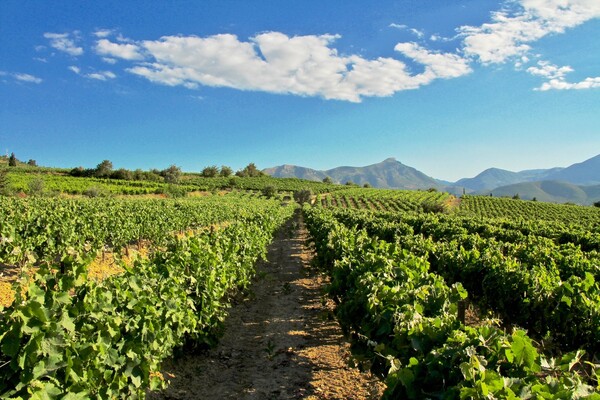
12	160
328	180
210	172
171	175
302	196
225	171
250	171
104	169
4	182
404	316
96	191
71	337
269	192
36	187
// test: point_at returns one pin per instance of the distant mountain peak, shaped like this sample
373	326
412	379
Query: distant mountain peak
390	173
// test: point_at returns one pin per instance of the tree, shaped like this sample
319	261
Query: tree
328	180
32	163
516	196
122	174
250	171
171	174
367	185
104	169
597	204
210	172
12	160
226	171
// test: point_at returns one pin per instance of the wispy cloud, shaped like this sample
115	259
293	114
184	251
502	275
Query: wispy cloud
97	75
64	42
103	33
418	33
515	27
547	70
22	77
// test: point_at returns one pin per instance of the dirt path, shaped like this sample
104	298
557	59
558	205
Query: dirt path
280	343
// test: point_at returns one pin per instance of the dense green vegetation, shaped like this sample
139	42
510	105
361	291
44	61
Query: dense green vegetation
405	268
402	279
66	336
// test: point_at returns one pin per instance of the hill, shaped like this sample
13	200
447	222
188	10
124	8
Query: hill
494	177
390	174
550	191
584	173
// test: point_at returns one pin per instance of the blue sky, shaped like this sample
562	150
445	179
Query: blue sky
448	87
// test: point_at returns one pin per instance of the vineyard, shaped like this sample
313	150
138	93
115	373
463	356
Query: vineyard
440	297
462	305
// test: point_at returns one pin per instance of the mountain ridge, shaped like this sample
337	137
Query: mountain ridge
389	174
557	184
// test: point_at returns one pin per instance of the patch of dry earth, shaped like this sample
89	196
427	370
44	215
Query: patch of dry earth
280	342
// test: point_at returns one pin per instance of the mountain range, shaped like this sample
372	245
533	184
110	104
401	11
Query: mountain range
578	183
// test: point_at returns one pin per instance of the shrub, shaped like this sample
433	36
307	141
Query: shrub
269	191
36	187
95	191
433	207
302	196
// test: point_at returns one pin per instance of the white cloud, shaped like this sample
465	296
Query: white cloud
64	43
555	76
418	33
437	65
101	75
103	33
301	65
310	66
98	75
511	30
561	84
27	78
126	51
549	71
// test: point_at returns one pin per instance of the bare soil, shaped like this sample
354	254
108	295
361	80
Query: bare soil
280	342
